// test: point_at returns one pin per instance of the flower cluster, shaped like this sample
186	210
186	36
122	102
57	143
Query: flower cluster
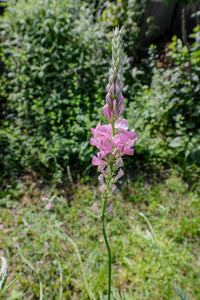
113	140
116	145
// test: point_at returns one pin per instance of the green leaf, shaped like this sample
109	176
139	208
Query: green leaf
175	143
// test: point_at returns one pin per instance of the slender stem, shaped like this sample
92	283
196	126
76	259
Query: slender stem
107	245
109	259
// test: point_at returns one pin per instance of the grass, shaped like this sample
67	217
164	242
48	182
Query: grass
60	253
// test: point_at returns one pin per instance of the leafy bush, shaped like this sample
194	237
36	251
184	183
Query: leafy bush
167	113
53	57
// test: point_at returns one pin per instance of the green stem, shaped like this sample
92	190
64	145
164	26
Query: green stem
109	260
107	246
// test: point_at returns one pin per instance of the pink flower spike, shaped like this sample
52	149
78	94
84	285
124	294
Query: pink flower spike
121	124
98	162
1	226
48	206
45	198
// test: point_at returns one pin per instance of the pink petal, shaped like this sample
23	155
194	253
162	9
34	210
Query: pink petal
121	124
130	134
92	142
101	154
45	198
98	162
48	206
129	151
92	130
116	139
108	147
120	147
123	138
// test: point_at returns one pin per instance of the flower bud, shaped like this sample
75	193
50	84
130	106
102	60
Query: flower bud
114	90
118	164
108	88
107	112
111	79
120	110
100	178
109	99
120	100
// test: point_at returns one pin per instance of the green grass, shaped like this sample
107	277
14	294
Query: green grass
148	259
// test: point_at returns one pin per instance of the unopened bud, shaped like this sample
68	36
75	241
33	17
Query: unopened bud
120	100
109	100
120	110
114	90
107	112
111	79
110	209
118	164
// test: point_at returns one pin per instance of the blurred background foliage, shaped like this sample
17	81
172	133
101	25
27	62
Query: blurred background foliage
55	58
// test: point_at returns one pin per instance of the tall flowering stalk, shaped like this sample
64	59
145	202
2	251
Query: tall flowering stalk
112	140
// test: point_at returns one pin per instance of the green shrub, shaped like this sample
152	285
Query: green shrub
54	61
166	115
